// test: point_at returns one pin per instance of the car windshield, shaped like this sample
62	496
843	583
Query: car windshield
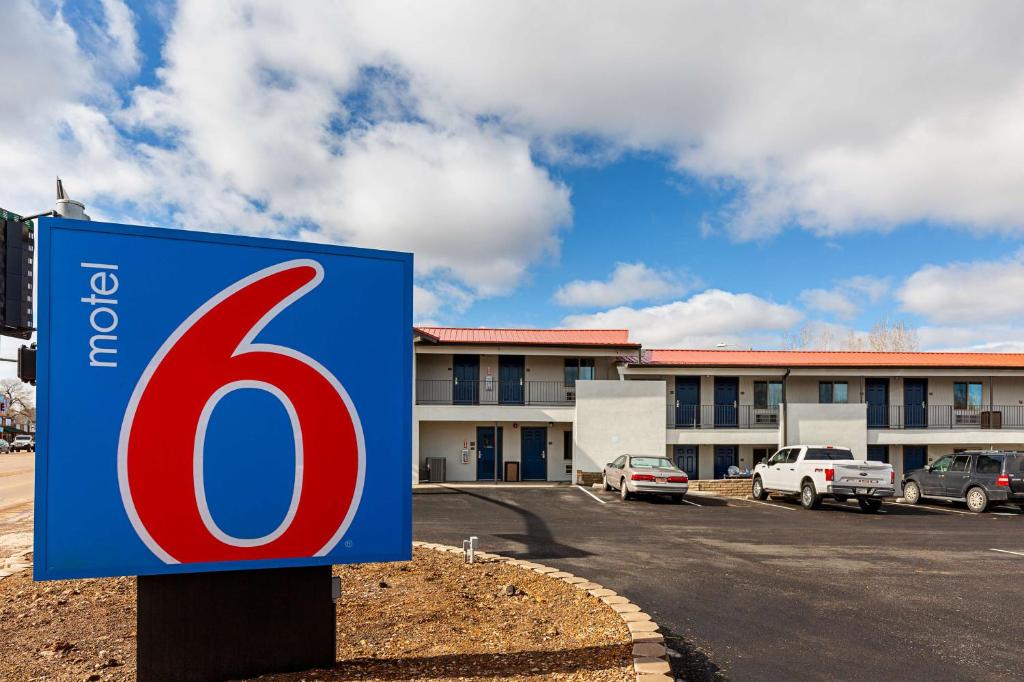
649	463
834	454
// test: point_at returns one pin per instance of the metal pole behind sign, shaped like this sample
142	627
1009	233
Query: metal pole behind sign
234	624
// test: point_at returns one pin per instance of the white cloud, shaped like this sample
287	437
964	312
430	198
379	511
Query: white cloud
255	137
121	35
835	115
966	293
984	338
703	320
831	301
628	282
258	130
847	298
872	288
471	204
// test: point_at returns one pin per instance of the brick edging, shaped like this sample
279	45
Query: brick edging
650	662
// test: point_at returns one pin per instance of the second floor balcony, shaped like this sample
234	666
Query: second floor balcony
493	392
722	417
945	417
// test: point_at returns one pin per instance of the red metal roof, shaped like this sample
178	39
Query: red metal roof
528	337
802	358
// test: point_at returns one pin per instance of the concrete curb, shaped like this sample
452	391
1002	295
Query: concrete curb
650	660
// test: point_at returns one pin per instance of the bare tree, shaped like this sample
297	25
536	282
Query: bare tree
812	336
885	335
17	396
893	336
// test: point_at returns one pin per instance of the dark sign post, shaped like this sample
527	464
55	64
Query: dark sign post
243	440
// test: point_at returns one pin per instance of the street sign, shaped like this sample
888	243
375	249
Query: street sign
212	402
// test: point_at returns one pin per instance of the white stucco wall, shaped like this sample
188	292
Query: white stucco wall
446	439
840	425
615	418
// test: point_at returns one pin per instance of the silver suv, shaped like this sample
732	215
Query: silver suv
26	443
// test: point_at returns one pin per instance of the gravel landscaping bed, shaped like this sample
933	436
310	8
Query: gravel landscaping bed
434	618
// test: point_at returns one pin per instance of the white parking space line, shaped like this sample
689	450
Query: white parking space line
938	509
771	504
1006	551
693	503
591	494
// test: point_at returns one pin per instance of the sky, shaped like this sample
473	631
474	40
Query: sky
702	173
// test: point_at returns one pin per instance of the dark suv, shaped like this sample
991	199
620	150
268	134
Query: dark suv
978	478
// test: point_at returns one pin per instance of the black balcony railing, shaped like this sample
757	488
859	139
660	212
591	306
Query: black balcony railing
493	392
722	417
945	417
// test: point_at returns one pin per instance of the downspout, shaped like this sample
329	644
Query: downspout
785	407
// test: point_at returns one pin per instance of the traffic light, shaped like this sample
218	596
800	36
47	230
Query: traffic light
17	286
27	364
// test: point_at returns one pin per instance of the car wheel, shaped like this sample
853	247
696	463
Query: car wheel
869	505
757	490
977	500
809	497
606	486
911	492
624	492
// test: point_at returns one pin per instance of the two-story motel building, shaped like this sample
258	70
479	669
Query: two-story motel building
555	405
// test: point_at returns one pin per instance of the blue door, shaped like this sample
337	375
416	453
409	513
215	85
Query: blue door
466	379
534	451
489	466
727	394
725	457
914	457
686	459
511	369
877	394
915	403
688	401
878	453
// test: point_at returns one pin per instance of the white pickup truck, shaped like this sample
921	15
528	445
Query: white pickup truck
817	471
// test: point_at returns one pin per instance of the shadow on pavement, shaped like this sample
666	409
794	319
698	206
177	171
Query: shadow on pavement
692	663
539	542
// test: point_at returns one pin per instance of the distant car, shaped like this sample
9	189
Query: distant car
26	443
5	447
634	474
979	478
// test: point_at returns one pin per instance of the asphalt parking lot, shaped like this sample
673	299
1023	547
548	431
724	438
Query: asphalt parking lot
749	590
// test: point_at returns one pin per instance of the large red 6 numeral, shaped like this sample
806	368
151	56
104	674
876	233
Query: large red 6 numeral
212	353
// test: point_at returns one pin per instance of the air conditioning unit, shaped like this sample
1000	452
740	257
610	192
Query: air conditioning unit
436	472
766	418
991	419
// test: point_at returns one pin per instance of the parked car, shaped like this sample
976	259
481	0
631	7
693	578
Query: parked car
633	474
23	442
5	447
817	471
978	478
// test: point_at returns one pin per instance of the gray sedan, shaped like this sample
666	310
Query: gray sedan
631	474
